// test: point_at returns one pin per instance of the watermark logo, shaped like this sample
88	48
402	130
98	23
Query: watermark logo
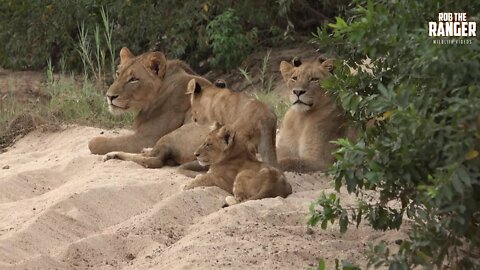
452	28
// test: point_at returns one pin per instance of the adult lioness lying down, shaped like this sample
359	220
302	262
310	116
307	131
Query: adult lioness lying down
313	120
252	119
235	168
153	86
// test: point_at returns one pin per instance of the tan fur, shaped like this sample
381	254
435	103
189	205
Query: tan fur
308	128
253	120
177	147
153	86
235	169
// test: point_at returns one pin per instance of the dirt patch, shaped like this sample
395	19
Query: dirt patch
22	86
21	125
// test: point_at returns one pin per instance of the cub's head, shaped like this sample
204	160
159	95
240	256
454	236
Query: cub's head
202	92
137	81
217	145
303	81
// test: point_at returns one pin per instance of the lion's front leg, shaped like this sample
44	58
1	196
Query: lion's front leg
129	143
207	179
142	159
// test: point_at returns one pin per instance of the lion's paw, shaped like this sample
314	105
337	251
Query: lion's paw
111	155
146	151
230	200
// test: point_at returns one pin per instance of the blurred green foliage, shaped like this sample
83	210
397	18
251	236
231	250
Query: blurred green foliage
33	31
230	43
420	160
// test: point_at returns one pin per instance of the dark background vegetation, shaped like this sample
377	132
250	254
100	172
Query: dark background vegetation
33	31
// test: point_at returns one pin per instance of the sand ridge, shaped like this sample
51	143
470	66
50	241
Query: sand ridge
63	208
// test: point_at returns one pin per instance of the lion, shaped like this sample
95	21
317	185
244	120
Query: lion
175	148
235	168
153	86
253	120
313	120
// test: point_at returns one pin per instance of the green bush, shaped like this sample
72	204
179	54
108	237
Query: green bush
229	41
420	160
33	31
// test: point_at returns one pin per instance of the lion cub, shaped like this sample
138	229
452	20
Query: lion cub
235	168
252	119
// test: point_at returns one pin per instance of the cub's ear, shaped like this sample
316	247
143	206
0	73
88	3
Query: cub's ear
329	64
296	62
193	87
321	58
286	69
227	136
125	54
220	83
156	63
216	126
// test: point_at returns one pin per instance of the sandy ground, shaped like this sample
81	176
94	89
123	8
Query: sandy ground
63	208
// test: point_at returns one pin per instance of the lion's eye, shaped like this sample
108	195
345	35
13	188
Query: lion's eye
132	79
208	145
294	78
314	79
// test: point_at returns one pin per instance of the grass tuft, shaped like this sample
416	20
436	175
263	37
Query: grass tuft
264	90
278	105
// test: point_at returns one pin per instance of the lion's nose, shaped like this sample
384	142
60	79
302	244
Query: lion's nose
111	98
299	92
196	154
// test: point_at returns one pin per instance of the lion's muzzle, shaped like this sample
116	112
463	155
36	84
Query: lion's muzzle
110	99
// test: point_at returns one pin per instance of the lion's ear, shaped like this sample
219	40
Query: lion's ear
156	63
220	83
286	69
321	58
227	136
296	62
125	54
329	65
193	87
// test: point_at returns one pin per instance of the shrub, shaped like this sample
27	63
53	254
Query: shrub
33	31
229	42
421	157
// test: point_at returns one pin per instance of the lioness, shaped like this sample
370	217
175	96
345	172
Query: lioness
313	120
252	119
153	86
235	168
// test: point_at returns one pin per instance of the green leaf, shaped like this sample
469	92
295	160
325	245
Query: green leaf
343	222
321	265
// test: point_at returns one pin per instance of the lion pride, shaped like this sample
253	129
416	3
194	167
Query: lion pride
175	148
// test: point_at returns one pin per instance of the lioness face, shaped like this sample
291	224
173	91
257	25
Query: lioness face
216	145
201	92
303	81
136	82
